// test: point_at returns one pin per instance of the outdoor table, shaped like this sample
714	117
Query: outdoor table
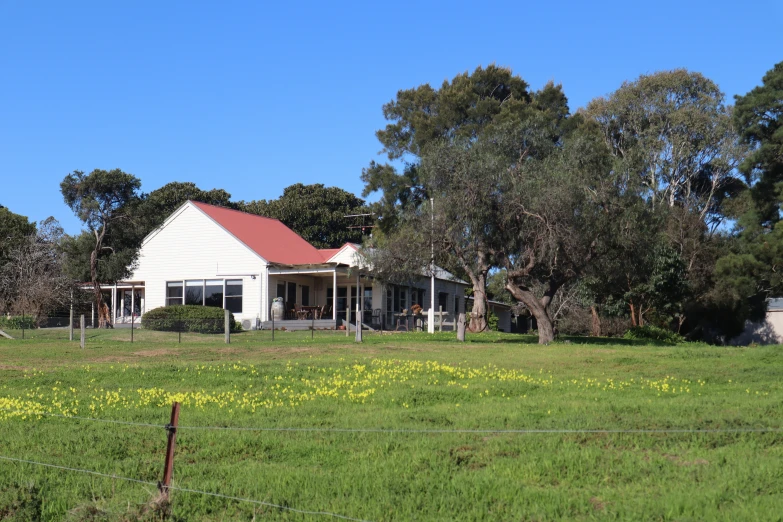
308	310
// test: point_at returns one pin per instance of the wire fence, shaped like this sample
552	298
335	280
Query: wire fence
201	330
520	431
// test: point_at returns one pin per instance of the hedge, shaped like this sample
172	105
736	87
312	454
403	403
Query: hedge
17	322
653	333
188	318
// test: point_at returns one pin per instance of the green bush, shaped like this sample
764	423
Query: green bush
17	322
492	321
188	318
653	333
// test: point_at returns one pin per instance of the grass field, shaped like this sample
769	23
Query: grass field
402	381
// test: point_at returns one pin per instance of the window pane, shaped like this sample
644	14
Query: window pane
305	295
281	290
174	293
368	298
194	292
234	287
213	294
234	304
443	299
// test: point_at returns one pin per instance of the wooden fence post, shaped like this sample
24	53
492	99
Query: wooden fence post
440	318
168	466
227	325
461	328
348	317
70	323
81	327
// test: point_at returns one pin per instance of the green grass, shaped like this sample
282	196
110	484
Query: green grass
403	381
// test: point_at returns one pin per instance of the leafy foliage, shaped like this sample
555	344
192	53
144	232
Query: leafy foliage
18	322
653	333
759	117
14	229
188	318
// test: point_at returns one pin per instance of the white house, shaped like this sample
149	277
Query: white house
214	256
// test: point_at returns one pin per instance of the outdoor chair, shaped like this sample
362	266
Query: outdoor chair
376	316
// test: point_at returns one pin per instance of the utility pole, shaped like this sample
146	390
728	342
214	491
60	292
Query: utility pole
431	313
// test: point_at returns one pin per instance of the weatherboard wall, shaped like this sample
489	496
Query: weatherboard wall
191	246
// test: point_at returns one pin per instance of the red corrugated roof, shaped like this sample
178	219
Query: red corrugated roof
267	237
328	252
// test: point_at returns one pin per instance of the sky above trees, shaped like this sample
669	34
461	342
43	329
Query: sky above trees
254	97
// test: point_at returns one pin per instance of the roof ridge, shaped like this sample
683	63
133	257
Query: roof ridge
235	210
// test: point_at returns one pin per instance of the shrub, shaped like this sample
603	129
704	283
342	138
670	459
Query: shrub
18	322
492	321
188	318
653	333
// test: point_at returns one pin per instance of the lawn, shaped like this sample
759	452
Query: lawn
429	385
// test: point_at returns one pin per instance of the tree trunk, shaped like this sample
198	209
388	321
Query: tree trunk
633	315
104	319
539	309
478	316
596	323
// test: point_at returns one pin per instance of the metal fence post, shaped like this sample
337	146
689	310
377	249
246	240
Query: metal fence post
272	313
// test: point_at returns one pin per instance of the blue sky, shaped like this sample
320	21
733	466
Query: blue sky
252	97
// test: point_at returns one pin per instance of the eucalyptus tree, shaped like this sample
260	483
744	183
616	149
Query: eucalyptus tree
105	202
435	147
559	216
674	144
675	137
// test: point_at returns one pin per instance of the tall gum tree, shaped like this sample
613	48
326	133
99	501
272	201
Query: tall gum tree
102	200
557	217
457	115
675	146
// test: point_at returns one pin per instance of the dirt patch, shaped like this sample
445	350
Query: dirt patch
9	367
155	353
598	504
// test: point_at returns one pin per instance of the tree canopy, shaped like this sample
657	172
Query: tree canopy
14	230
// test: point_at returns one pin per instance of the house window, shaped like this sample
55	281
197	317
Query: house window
194	292
234	296
291	297
281	290
213	293
443	300
174	293
418	297
305	295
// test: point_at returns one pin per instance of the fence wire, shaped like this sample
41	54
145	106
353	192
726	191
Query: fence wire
184	490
